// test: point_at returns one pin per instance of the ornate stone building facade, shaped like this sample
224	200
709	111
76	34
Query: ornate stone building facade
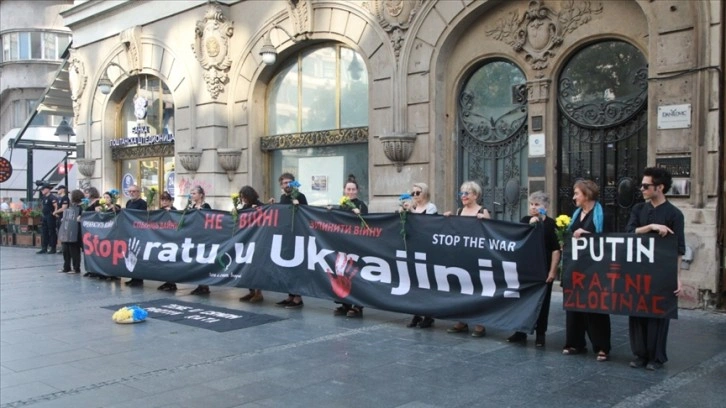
517	95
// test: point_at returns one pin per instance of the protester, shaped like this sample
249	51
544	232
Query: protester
649	335
539	203
293	301
135	203
357	207
165	203
587	219
250	199
49	238
70	234
62	202
109	203
469	193
93	204
197	197
420	205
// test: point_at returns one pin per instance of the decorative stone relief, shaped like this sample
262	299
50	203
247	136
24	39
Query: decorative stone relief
398	147
539	31
131	37
394	16
211	47
301	15
538	90
77	78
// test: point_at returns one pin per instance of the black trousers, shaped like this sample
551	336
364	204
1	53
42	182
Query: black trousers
71	256
49	237
596	325
544	313
648	337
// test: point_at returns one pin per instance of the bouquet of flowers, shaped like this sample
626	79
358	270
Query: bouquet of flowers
294	194
562	222
85	203
235	213
186	208
404	202
346	203
150	198
130	314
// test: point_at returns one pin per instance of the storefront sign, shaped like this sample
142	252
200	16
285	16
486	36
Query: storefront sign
536	144
6	169
142	140
674	116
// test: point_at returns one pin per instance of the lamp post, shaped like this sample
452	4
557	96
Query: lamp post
268	52
64	129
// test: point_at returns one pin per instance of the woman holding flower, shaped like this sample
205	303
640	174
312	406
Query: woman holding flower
249	198
351	202
196	202
539	203
587	219
108	203
290	195
469	194
420	204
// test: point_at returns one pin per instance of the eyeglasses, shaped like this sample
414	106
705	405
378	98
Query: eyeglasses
463	193
646	186
416	193
133	191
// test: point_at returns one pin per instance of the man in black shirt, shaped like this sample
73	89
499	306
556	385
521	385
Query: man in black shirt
49	237
135	203
648	335
293	301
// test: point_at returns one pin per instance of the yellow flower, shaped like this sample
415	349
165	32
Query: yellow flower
122	314
234	196
344	201
102	201
562	221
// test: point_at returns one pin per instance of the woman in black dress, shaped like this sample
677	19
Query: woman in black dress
197	196
249	198
166	203
587	219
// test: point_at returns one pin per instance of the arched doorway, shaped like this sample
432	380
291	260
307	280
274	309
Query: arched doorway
603	109
492	124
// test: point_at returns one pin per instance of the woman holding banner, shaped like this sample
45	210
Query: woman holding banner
469	194
196	198
587	219
420	205
249	198
539	202
166	203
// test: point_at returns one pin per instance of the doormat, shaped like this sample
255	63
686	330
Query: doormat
208	317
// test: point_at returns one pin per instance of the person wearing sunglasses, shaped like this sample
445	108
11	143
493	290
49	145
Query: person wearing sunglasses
420	204
469	194
648	335
587	219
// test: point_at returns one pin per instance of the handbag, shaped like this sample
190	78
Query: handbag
70	228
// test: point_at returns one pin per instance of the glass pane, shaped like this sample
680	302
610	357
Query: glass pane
10	47
150	178
63	41
319	107
322	171
169	176
36	51
24	41
158	106
282	102
49	46
353	90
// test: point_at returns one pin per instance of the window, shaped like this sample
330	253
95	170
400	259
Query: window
34	45
158	108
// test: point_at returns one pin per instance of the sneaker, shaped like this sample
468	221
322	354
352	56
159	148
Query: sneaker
517	337
284	302
52	251
42	251
654	366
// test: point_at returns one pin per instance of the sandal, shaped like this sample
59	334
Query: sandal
602	356
458	328
571	351
355	311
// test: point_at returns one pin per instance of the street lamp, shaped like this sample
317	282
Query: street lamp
104	83
268	52
64	129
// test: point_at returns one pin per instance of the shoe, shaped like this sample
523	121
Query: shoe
293	305
570	351
131	283
87	274
355	312
639	363
247	297
539	340
200	290
75	272
602	356
63	271
42	251
517	337
284	302
654	366
168	286
479	333
458	329
426	323
52	251
415	321
256	298
340	311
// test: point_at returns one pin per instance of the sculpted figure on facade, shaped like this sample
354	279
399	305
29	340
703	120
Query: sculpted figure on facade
77	78
394	16
540	30
211	48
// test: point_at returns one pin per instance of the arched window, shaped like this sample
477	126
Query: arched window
317	116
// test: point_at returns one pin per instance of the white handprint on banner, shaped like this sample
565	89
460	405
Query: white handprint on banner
133	250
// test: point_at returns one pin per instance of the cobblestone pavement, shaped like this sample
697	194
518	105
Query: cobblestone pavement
59	348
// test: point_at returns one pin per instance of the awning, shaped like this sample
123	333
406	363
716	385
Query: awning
56	99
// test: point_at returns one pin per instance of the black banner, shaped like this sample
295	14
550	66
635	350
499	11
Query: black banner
625	274
457	268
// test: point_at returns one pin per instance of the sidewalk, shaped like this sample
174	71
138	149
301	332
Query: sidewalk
59	348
